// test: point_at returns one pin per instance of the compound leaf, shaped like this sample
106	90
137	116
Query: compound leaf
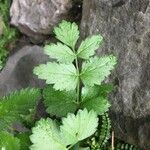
15	105
59	103
96	69
88	46
8	141
63	76
46	136
67	33
79	127
60	52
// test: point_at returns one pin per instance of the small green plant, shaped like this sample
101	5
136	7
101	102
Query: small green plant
75	99
7	33
77	91
100	139
120	145
13	109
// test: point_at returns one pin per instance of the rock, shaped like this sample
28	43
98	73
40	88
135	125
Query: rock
18	71
125	26
37	18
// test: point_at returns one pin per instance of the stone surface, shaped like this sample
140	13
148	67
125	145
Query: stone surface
18	72
125	26
37	18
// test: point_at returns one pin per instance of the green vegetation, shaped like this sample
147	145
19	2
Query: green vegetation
13	109
5	138
7	33
77	92
75	99
125	146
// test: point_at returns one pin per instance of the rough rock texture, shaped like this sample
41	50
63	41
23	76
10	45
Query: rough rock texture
37	18
125	26
18	72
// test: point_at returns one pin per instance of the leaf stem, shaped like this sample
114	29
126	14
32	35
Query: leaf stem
78	84
74	146
70	147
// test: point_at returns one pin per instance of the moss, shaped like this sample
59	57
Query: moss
7	33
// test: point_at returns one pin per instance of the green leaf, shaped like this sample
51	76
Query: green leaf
63	76
96	98
99	105
67	33
24	140
88	46
105	89
59	103
98	90
96	69
46	136
9	142
60	52
15	105
79	127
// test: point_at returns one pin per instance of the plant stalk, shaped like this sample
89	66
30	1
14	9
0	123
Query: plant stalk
78	84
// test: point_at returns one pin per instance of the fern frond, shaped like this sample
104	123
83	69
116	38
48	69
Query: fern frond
100	139
125	146
15	105
105	130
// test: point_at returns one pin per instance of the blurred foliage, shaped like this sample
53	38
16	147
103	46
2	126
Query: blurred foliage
7	33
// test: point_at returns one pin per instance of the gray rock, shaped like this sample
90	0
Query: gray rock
37	18
125	26
18	72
